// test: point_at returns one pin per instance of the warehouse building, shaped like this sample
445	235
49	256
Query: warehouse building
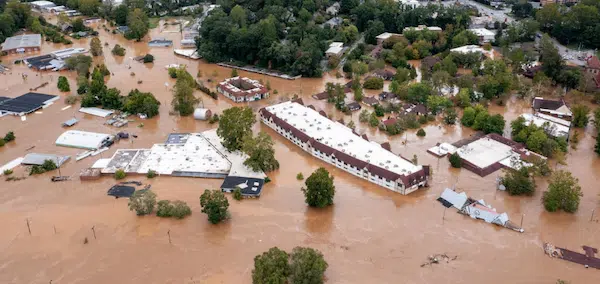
22	44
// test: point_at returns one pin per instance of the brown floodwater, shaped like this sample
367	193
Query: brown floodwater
370	234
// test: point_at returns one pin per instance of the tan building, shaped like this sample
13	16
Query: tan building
22	43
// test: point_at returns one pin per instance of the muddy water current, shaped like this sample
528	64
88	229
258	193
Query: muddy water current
370	234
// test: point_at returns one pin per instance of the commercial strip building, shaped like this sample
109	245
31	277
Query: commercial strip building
484	155
242	89
22	43
189	155
338	145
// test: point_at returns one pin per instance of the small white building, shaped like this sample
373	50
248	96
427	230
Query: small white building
484	35
335	49
42	5
384	36
422	27
410	3
553	126
83	139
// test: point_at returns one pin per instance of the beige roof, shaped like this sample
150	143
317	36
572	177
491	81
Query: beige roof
22	41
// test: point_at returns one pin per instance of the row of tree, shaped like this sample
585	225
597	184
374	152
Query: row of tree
570	25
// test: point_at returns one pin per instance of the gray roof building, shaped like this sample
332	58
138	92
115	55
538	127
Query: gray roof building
22	43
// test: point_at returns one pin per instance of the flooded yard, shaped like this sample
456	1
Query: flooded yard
370	234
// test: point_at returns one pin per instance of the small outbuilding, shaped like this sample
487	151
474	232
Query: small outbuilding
202	114
83	139
250	187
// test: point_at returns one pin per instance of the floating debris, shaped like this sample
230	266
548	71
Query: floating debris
588	259
437	258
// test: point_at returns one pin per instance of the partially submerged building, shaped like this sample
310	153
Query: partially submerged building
484	155
338	145
84	139
556	108
242	89
553	126
35	159
484	35
22	43
160	42
25	104
476	209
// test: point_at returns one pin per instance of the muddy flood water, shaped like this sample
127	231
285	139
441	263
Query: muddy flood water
370	234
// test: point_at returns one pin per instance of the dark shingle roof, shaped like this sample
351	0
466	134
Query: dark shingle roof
539	103
253	186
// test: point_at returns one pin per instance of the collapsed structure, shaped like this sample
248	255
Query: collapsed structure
338	145
242	89
476	209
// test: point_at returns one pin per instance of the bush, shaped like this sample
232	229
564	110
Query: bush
8	172
120	174
118	50
2	142
299	176
151	174
213	119
455	160
10	136
303	265
267	180
48	165
149	58
319	190
237	194
519	182
173	72
142	202
63	84
373	83
177	209
421	132
71	100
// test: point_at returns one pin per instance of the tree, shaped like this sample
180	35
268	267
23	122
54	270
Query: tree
237	194
421	132
63	84
551	60
177	209
373	83
307	266
522	9
455	160
319	190
234	72
358	95
580	116
118	50
10	136
184	100
563	192
374	29
151	174
450	116
437	104
120	15
78	25
261	153
137	102
95	47
238	16
468	117
271	267
519	182
351	125
214	204
148	58
235	124
142	201
419	92
88	7
138	24
120	174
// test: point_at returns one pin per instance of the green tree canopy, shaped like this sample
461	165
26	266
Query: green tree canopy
215	205
235	123
142	202
261	153
563	192
319	190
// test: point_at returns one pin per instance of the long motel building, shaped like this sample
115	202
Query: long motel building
338	145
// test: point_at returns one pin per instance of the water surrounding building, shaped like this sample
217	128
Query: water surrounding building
338	145
242	89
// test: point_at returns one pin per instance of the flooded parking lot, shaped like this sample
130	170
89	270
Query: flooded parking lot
370	234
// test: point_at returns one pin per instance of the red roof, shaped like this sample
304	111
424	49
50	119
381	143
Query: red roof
249	88
593	62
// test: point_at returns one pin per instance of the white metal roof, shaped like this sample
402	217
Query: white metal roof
22	41
335	50
554	128
82	139
485	152
340	137
96	111
483	32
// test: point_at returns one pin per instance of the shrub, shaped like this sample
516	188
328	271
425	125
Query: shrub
214	204
63	84
173	72
237	194
455	160
2	142
10	136
267	180
519	182
118	50
8	172
421	132
373	83
120	174
148	58
71	100
151	174
299	176
48	165
563	193
213	119
177	209
163	208
142	202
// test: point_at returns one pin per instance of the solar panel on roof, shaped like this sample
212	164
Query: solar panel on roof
26	103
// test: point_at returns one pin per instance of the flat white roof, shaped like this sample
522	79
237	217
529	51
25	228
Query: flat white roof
82	139
484	152
96	111
336	44
385	35
237	158
340	137
422	27
22	41
554	128
468	48
483	32
334	50
43	3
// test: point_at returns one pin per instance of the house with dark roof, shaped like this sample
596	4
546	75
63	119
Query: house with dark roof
384	74
249	187
353	106
556	108
417	109
385	96
321	96
370	101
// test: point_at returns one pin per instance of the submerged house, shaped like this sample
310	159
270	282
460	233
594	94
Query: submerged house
338	145
476	209
556	108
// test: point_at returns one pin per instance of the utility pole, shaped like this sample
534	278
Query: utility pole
94	231
592	218
522	216
28	227
169	234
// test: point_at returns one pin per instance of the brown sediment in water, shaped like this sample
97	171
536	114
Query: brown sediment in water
370	234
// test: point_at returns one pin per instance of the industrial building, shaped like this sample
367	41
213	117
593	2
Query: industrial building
22	43
25	104
83	139
338	145
242	89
